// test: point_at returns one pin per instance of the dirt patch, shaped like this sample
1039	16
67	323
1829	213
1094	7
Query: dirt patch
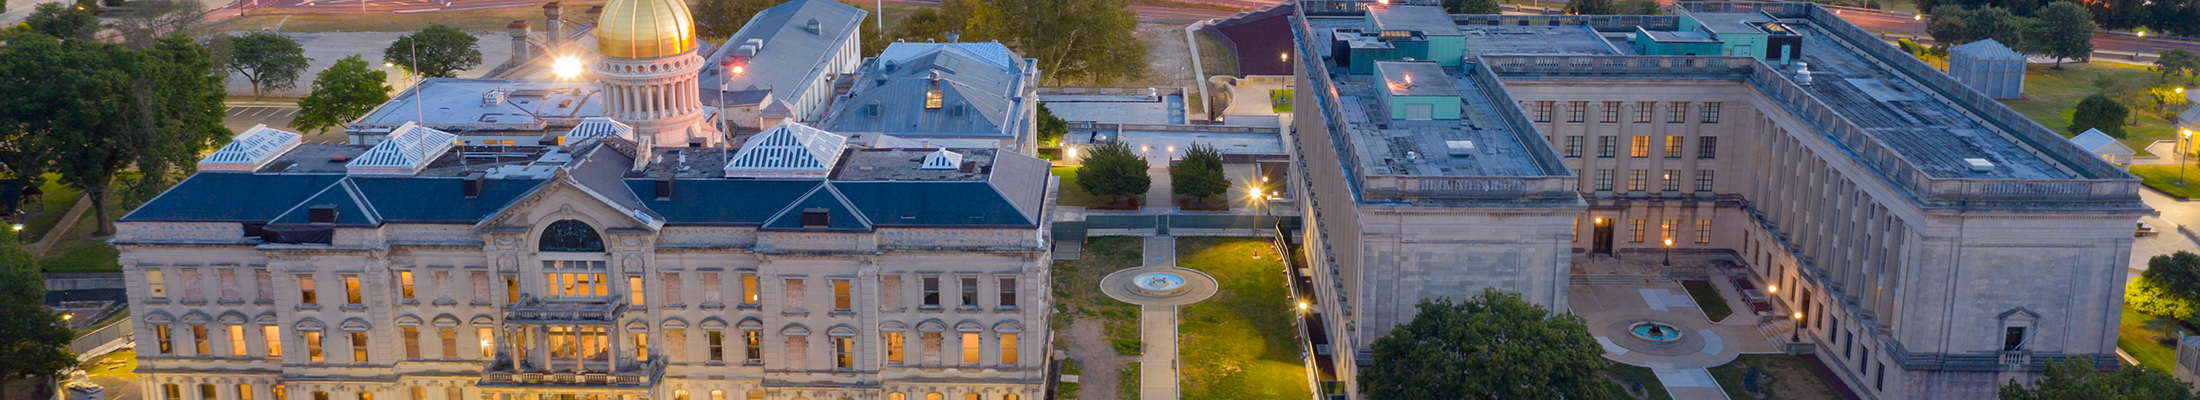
1089	346
1778	377
1168	58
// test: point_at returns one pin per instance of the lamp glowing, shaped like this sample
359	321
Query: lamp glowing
1917	17
1772	288
566	67
2180	90
1798	315
1172	148
1302	306
737	70
1264	179
2142	33
1669	243
1072	152
17	227
387	64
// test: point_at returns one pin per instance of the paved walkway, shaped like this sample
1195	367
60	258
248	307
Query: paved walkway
1612	310
2172	214
1157	327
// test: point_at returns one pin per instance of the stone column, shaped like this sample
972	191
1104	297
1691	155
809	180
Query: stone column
520	49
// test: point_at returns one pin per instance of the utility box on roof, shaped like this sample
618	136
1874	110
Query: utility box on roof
1989	67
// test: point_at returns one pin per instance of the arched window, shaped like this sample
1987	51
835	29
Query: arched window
571	236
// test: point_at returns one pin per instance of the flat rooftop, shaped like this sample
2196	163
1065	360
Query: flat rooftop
1398	77
1429	20
894	165
1732	23
1515	39
1680	37
1116	108
486	106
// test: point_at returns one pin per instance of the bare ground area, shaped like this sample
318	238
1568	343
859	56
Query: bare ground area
1089	346
1168	59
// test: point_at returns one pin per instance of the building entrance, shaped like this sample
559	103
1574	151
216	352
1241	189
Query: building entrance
1603	237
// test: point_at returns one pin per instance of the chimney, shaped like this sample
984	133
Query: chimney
664	188
471	186
953	37
554	27
321	214
595	14
519	41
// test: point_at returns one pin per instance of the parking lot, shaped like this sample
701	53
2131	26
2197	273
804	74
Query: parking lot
238	119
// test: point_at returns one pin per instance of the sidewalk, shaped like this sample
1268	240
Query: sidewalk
1157	327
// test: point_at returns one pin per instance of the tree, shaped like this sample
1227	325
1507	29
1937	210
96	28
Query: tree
441	49
1199	176
87	110
1471	6
2177	274
1641	7
1111	170
342	93
2150	298
2099	112
1051	128
56	20
2175	62
1082	41
2076	379
34	343
717	20
271	61
2065	31
149	20
1591	7
1947	30
1494	346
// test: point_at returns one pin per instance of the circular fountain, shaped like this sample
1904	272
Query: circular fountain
1655	332
1157	284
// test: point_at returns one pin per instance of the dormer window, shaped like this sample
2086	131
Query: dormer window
932	99
816	218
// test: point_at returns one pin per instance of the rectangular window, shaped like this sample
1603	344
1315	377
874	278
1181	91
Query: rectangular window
1707	148
1573	146
511	289
313	347
748	290
236	340
635	290
893	347
244	392
1678	113
641	347
1008	292
892	287
843	299
1672	180
1643	109
449	338
844	354
1607	146
359	347
932	348
2012	338
1703	180
442	286
969	292
172	391
405	284
266	286
711	288
798	353
676	344
1637	230
1640	147
1636	178
754	344
1603	181
198	341
1577	111
932	291
419	393
412	342
1611	111
481	287
1673	146
1543	110
1008	349
717	342
228	281
273	336
351	289
306	290
672	287
932	99
161	334
488	341
278	392
1703	231
191	285
1711	112
207	391
1667	228
454	393
794	296
970	348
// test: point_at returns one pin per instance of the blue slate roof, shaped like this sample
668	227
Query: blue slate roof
720	201
351	208
210	197
914	203
841	215
980	79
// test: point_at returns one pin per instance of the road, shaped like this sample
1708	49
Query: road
2101	41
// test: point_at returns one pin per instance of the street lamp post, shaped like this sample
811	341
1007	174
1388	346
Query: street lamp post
1796	336
2183	136
1668	252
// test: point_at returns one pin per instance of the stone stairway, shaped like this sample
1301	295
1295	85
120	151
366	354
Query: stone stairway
1776	331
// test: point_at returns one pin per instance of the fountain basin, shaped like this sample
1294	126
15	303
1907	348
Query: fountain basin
1157	284
1655	332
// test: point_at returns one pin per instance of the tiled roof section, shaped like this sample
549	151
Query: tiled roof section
721	201
231	197
976	84
603	170
788	150
410	148
596	127
933	203
791	54
840	214
1022	180
250	150
438	200
1987	50
352	207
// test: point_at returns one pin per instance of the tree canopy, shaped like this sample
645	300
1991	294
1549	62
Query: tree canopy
1494	346
1112	170
717	20
2065	31
1083	41
60	21
2099	112
1199	175
2175	62
1051	128
442	51
34	342
2178	274
1591	7
1471	6
87	110
148	20
342	93
2076	379
270	60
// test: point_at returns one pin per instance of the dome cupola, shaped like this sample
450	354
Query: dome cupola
641	29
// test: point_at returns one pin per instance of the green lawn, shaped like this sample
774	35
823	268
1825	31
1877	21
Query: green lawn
2050	95
2163	178
1708	299
2144	336
1785	377
1280	100
1240	343
57	200
1077	290
1071	194
1214	58
1126	382
1648	379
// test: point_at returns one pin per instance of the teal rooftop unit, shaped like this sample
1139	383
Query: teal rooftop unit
1756	34
1400	32
1432	97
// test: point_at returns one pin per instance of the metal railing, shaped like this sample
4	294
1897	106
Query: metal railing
101	340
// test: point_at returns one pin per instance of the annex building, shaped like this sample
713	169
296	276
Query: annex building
599	237
1937	243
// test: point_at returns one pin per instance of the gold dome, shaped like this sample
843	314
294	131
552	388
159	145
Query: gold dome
645	29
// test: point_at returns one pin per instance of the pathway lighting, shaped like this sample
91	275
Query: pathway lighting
1669	252
1772	288
1797	334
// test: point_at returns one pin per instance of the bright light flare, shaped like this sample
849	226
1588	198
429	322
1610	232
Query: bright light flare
1772	288
1302	306
566	67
